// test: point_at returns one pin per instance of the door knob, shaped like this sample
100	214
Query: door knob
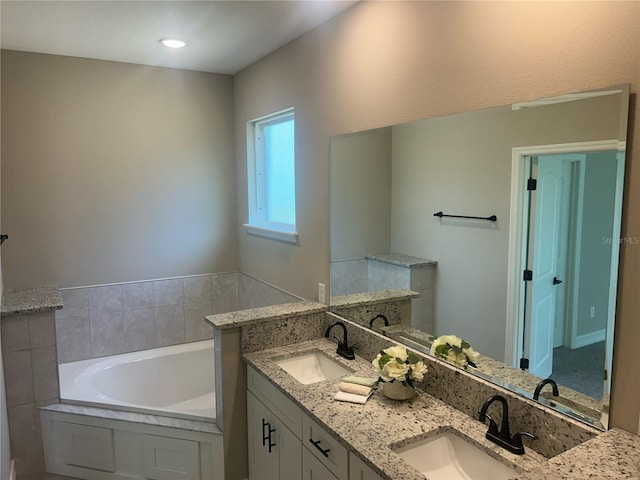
556	281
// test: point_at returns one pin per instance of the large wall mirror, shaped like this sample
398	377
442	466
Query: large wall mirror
525	267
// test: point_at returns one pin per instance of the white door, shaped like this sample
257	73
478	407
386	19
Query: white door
545	281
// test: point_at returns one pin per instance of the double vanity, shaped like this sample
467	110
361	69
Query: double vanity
295	425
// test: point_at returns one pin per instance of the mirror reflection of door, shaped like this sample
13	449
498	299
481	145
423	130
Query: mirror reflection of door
569	252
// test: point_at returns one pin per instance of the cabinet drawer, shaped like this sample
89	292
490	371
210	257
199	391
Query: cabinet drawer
285	409
86	446
325	448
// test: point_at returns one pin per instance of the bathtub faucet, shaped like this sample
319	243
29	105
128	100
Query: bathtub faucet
344	350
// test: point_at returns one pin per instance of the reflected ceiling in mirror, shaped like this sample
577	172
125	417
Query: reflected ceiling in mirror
387	184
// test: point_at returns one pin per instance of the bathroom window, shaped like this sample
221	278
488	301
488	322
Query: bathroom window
271	175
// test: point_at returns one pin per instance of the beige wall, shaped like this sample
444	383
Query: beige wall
384	63
360	194
114	172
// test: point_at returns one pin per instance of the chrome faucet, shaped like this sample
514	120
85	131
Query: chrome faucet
554	386
386	321
344	350
503	437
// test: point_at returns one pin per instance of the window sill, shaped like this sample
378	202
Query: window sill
289	237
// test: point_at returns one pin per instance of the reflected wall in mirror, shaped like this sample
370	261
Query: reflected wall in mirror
387	184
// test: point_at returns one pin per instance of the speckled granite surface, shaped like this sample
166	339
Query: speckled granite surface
370	430
614	454
243	318
133	417
402	260
31	300
372	298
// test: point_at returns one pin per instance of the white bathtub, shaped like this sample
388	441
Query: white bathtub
176	381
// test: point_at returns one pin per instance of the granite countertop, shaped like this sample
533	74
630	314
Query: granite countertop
402	260
369	430
242	318
31	300
372	298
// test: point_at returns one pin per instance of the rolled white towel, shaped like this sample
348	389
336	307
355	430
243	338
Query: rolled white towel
351	397
354	388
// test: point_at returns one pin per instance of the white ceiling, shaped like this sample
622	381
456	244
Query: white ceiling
222	36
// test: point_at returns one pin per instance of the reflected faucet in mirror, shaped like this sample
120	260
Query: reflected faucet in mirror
552	171
385	319
554	387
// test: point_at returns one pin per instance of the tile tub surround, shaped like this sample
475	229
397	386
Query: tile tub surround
370	429
120	318
31	377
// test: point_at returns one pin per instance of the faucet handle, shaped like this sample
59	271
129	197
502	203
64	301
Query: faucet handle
516	441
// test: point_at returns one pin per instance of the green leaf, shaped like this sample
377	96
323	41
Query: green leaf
456	349
442	350
412	358
384	359
465	344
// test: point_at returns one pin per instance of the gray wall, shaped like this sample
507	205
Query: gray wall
360	195
383	63
113	172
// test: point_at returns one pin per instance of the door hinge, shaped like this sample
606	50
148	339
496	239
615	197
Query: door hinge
527	275
524	363
532	184
606	374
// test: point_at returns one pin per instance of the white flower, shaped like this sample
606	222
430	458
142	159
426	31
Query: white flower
418	370
458	359
472	354
397	352
376	362
450	348
393	370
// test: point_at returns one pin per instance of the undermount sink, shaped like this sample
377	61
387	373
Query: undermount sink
449	457
312	367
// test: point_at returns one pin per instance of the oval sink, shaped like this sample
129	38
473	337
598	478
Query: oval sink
312	367
448	457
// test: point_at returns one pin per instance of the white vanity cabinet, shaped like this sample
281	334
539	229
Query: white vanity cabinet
286	444
274	451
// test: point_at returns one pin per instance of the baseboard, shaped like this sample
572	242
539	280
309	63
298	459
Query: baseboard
589	338
12	471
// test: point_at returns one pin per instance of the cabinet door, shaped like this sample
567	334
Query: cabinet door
313	469
274	452
358	470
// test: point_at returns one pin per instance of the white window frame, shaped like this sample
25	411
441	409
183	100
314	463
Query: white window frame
258	223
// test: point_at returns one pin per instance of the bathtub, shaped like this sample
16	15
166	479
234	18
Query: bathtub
176	381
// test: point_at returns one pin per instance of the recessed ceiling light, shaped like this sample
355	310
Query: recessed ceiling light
173	42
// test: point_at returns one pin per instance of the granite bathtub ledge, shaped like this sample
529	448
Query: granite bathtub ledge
372	298
401	260
31	300
133	417
252	316
370	430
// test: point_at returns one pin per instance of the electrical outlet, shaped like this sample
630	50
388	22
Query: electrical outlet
592	312
321	296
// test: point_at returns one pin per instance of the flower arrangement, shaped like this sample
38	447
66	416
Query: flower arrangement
455	350
395	363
